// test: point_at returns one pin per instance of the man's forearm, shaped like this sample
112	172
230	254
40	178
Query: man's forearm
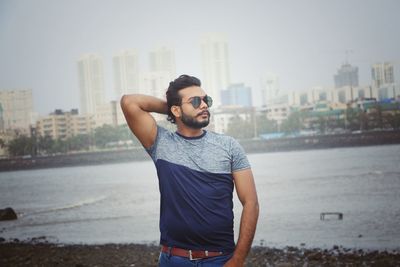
144	102
247	230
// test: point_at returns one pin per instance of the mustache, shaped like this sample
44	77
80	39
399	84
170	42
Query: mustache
205	111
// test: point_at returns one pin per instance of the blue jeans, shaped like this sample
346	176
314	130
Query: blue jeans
167	260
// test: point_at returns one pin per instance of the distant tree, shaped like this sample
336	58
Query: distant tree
20	146
79	142
353	118
375	117
264	125
322	123
335	123
240	128
125	134
59	146
364	123
45	144
105	134
397	120
293	123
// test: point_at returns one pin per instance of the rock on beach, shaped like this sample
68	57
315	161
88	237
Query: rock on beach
7	214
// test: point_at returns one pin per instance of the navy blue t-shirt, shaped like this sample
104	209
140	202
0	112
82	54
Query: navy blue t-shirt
196	186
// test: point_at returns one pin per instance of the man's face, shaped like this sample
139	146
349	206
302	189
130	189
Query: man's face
195	118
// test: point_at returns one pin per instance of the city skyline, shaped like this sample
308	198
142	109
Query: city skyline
304	43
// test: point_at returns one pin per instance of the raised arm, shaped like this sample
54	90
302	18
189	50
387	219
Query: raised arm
246	190
137	110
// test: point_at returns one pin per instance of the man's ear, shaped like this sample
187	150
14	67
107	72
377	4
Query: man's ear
176	111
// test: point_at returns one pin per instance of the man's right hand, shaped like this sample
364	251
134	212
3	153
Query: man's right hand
137	110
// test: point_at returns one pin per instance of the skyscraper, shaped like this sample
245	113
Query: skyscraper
236	95
17	109
215	63
269	88
347	75
126	72
163	59
155	83
91	82
162	71
382	73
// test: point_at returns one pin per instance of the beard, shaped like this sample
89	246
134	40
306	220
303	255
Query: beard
191	122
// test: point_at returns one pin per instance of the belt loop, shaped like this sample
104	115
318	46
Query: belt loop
169	252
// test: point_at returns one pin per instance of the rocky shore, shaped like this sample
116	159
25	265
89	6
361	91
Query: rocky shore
37	252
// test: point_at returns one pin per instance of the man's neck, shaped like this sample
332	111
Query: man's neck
189	132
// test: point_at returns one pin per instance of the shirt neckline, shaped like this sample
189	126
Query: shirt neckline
192	137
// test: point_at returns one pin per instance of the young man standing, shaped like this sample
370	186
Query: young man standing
197	172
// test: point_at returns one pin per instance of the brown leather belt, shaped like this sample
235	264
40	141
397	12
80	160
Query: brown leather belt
191	254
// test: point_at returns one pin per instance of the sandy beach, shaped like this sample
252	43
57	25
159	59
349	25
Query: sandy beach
38	252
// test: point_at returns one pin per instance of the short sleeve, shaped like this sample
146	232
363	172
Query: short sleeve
152	151
239	159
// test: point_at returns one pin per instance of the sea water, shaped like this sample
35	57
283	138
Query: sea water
119	203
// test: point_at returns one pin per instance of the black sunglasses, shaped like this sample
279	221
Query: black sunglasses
196	101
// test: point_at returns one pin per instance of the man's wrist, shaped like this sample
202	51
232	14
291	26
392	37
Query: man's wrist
238	259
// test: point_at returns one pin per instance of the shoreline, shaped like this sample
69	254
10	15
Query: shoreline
250	146
38	252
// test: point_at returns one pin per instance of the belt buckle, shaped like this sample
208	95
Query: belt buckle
193	259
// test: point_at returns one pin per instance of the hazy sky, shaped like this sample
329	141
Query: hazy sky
302	41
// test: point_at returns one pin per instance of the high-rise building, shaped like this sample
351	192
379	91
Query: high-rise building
17	106
269	88
382	74
163	59
109	114
347	75
155	83
91	82
215	63
126	72
236	95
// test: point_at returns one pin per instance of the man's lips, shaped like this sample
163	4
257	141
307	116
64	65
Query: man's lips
204	113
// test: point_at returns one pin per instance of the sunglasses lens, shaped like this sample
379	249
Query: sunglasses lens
196	101
208	100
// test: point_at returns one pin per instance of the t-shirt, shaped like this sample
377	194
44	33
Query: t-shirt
196	187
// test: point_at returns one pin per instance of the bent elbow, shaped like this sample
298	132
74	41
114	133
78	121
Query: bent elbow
123	101
127	101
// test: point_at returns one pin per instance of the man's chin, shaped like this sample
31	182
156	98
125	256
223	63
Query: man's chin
205	123
197	122
200	124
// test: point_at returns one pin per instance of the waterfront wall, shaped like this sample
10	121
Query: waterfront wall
323	141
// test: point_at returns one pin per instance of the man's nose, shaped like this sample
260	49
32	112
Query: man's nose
203	104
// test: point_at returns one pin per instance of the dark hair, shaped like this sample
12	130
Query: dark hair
173	97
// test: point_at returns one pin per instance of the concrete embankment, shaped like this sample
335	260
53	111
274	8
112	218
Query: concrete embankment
251	146
74	159
323	141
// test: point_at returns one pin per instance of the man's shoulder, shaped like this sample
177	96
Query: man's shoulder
220	139
220	136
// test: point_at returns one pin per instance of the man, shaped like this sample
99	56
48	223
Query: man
197	171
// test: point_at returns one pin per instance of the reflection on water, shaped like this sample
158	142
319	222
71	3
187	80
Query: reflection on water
119	203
